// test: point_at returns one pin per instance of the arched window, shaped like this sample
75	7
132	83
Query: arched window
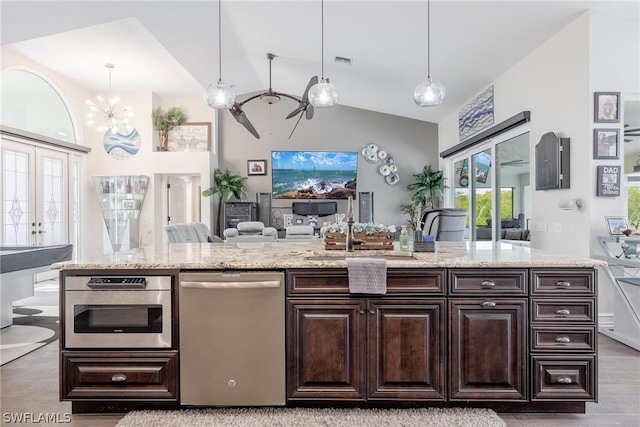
31	104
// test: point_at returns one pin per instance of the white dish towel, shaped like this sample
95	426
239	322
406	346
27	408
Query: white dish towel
367	275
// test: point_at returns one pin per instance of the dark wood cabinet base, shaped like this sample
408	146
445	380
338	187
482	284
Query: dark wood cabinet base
549	407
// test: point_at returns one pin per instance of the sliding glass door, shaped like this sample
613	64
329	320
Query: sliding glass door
491	182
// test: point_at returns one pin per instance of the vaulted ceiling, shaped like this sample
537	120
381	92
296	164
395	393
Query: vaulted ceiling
171	47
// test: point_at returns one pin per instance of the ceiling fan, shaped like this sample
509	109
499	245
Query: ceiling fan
271	97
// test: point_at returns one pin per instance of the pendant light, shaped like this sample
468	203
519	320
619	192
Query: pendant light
323	94
218	95
429	93
107	111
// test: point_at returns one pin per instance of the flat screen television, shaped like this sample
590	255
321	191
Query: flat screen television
314	174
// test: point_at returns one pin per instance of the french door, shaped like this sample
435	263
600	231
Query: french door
35	195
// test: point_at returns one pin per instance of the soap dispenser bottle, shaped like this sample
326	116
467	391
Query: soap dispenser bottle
404	239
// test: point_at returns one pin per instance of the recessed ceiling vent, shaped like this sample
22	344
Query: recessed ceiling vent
343	61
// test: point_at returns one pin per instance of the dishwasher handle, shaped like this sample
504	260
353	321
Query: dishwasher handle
230	285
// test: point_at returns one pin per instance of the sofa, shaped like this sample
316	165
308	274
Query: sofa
193	232
300	233
250	231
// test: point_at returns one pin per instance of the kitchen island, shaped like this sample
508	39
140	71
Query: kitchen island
474	323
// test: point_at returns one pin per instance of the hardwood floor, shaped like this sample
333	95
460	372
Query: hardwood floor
30	385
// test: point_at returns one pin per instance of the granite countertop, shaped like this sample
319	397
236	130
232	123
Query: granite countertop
282	254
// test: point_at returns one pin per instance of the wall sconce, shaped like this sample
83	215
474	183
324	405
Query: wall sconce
569	204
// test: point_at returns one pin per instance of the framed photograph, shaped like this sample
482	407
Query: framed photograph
606	106
608	181
190	137
256	167
605	143
616	224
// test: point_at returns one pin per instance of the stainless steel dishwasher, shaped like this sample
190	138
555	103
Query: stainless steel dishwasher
232	350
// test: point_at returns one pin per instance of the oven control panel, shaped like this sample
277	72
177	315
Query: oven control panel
112	282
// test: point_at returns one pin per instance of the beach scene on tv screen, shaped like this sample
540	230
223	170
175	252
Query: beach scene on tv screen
314	174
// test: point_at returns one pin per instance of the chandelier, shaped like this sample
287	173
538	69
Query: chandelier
107	114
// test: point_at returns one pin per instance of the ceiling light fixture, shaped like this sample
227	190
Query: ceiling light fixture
107	111
218	95
429	93
323	94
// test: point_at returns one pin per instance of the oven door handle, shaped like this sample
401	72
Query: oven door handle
231	285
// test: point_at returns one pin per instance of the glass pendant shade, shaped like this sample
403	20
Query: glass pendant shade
219	96
323	94
428	93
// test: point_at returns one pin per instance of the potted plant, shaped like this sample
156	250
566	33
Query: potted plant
428	193
163	122
225	185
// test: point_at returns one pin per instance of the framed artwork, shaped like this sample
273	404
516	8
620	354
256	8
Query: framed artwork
190	137
615	225
476	115
605	143
608	181
606	106
256	167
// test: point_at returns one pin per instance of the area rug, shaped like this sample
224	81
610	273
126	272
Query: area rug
32	328
305	417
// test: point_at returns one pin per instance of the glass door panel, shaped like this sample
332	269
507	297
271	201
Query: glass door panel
17	203
461	198
52	218
482	198
512	177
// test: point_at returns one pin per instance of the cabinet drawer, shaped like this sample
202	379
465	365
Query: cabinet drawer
563	339
564	378
563	282
558	310
119	375
487	282
335	281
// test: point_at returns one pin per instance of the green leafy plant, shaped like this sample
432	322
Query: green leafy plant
163	122
428	192
225	185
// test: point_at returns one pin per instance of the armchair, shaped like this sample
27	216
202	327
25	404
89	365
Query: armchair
300	233
445	224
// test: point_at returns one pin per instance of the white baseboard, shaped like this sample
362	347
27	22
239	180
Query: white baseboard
605	320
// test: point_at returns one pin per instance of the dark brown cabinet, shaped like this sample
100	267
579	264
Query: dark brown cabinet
117	375
488	349
364	347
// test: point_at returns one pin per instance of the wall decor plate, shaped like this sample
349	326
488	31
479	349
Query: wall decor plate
392	178
389	160
123	143
384	170
393	168
365	151
382	154
371	158
373	147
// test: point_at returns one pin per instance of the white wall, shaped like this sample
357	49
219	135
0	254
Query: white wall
145	162
595	52
413	144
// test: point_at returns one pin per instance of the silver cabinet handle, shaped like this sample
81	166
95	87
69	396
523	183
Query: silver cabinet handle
563	339
118	378
489	304
487	284
361	311
563	284
563	312
564	380
372	312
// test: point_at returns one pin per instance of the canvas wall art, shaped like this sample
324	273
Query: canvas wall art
476	115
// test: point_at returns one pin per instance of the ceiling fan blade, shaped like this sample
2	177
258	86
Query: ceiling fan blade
294	128
304	102
309	111
241	117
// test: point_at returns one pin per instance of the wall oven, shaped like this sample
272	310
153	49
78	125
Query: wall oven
117	312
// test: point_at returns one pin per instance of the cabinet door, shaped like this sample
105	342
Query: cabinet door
488	349
326	349
406	349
